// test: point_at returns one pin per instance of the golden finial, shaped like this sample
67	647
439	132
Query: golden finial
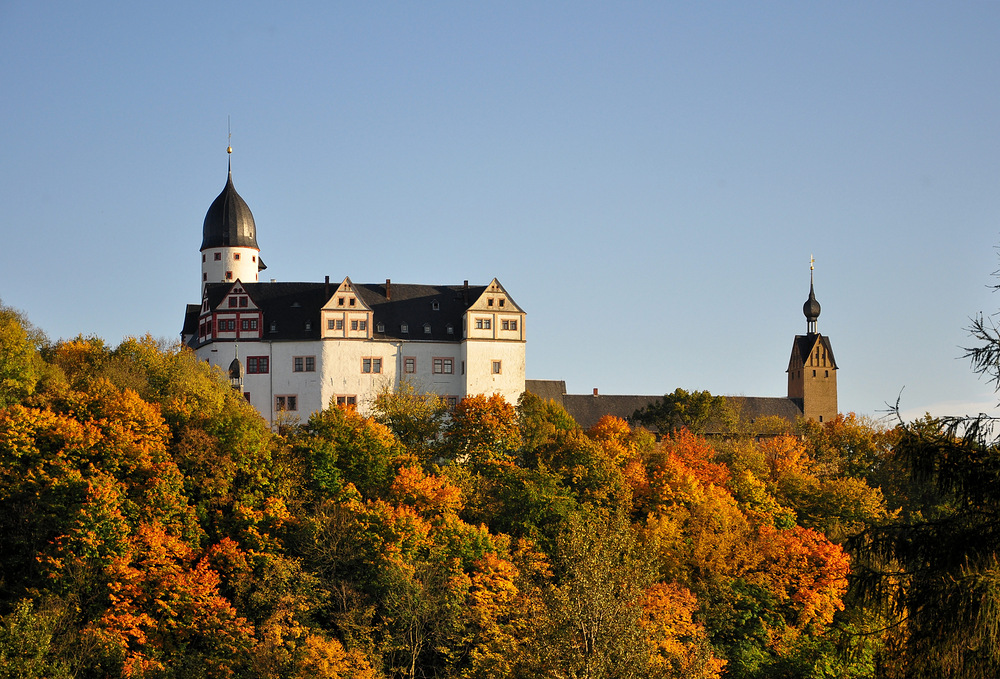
812	262
229	124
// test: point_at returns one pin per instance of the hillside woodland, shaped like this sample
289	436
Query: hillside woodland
153	525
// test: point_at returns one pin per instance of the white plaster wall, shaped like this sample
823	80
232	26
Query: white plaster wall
245	268
339	363
479	357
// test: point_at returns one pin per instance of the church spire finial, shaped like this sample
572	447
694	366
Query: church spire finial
229	144
811	308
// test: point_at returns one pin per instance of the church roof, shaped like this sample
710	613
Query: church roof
229	222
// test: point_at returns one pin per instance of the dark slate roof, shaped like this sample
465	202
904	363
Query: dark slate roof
229	222
550	390
588	409
291	305
751	408
414	306
804	344
191	314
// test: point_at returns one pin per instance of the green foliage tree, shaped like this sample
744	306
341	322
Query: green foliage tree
416	419
21	366
696	410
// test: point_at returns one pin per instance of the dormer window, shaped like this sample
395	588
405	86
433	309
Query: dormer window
427	328
450	329
380	327
309	326
404	327
435	305
501	302
340	301
351	302
489	302
274	326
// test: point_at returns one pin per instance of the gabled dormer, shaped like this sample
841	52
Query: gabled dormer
494	315
229	313
345	315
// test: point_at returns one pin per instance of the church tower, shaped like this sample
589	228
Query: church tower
812	370
229	239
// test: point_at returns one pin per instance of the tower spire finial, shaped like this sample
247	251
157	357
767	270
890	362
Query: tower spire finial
811	307
229	145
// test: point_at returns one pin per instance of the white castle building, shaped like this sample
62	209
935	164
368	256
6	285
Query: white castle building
298	347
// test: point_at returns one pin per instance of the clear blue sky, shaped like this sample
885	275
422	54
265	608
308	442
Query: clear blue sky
648	180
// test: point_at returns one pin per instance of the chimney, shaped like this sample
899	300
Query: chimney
465	291
388	289
595	391
327	288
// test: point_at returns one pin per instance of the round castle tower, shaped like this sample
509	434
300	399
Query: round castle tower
229	248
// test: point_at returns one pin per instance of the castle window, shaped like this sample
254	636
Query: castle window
257	365
229	275
496	367
380	327
404	327
371	365
409	364
427	328
347	401
203	257
340	301
444	366
489	302
508	325
236	256
330	324
253	258
354	325
274	326
218	256
340	324
232	302
450	329
304	364
309	326
827	373
501	302
351	301
452	401
814	373
363	325
435	305
204	277
290	403
244	301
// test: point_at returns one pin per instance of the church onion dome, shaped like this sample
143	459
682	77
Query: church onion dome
229	222
811	307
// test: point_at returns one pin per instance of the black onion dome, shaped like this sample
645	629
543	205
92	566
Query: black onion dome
811	307
229	222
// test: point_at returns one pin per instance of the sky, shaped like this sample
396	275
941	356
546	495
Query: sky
648	180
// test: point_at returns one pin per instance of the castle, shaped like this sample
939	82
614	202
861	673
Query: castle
295	348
